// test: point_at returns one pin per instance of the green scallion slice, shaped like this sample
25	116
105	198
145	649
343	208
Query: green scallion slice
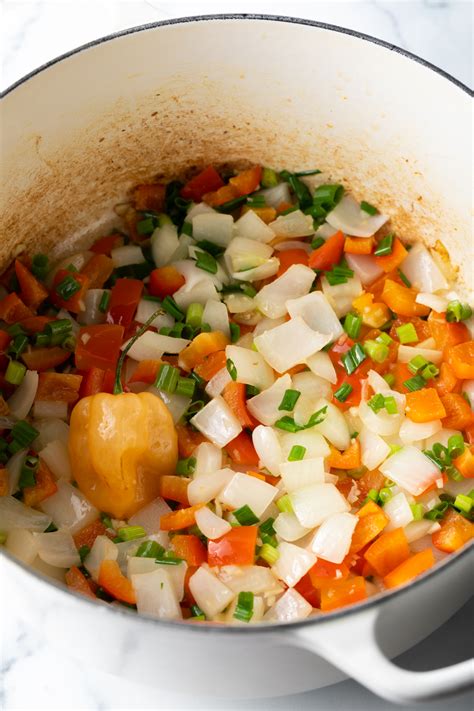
245	516
343	392
407	333
244	607
231	369
352	325
385	246
368	208
67	288
289	400
15	372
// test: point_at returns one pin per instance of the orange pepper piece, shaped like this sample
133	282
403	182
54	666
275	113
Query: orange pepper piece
388	551
410	568
115	583
424	405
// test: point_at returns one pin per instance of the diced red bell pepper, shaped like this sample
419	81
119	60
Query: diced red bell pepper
76	302
288	257
106	244
234	548
36	324
329	254
98	346
306	588
45	358
206	181
149	196
13	310
146	371
190	548
242	451
32	291
5	339
96	380
124	300
165	281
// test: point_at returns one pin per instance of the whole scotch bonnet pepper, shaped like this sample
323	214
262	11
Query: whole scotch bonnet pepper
121	445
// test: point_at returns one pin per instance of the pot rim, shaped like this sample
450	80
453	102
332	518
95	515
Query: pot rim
378	599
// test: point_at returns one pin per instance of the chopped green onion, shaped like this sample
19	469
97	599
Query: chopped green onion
316	418
458	311
372	495
267	532
39	266
69	344
269	178
303	173
339	275
234	332
251	391
385	246
325	199
58	330
129	533
317	242
455	445
232	204
231	369
51	528
106	520
171	307
104	302
186	387
431	371
206	262
297	453
394	448
415	383
83	552
18	345
167	378
389	379
289	400
343	392
352	325
249	290
23	434
417	363
245	516
384	338
437	512
67	288
169	558
353	358
368	208
404	278
15	372
407	333
150	297
377	351
376	403
194	315
300	190
16	330
146	226
149	549
197	613
385	494
269	554
244	607
187	229
256	200
287	424
284	504
185	467
390	405
28	471
463	503
417	511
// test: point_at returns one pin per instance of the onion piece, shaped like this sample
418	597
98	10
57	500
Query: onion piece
218	382
325	231
20	403
267	446
217	422
422	271
48	409
208	459
442	436
264	406
294	224
211	525
156	596
243	489
266	324
56	457
296	475
382	423
69	508
311	439
49	431
57	549
210	593
406	353
102	549
239	303
213	227
377	383
416	431
176	404
411	470
149	516
321	364
432	301
374	450
293	244
398	511
311	386
290	344
294	283
129	254
333	538
14	514
317	312
22	544
264	271
276	195
417	529
288	527
243	254
215	314
252	578
200	208
164	243
293	562
206	487
250	366
314	504
341	296
348	217
13	467
92	314
364	266
289	608
194	276
146	309
201	292
334	426
251	226
151	346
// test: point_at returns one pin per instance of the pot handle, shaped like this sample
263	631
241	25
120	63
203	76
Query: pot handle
351	645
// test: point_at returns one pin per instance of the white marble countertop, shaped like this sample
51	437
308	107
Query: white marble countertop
33	32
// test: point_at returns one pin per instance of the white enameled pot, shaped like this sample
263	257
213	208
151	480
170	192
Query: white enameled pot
161	99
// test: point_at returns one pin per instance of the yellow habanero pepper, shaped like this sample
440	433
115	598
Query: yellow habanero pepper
121	445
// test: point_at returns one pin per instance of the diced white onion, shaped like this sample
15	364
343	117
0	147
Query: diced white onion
57	549
417	529
373	449
206	487
208	459
334	425
239	303
149	516
248	490
267	446
325	231
14	514
194	275
294	224
251	578
215	314
56	457
48	409
311	385
341	296
293	562
151	346
164	243
211	595
200	208
348	217
137	566
314	504
211	525
102	549
213	227
176	404
200	293
416	431
289	608
422	271
250	366
146	309
156	596
292	244
432	301
264	406
129	254
377	383
458	487
217	422
266	324
182	251
411	470
406	353
264	271
218	382
305	472
69	508
364	266
398	511
318	313
333	538
251	226
290	344
276	195
321	364
442	436
50	430
294	283
288	527
49	571
311	439
22	544
13	467
243	254
382	423
177	574
92	314
21	401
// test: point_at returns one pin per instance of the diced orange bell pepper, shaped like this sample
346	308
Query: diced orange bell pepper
149	196
461	359
203	345
257	475
389	262
190	549
87	535
324	573
63	387
98	346
13	310
458	413
345	592
446	381
401	299
77	581
454	533
96	380
237	547
370	480
204	182
188	440
44	487
421	327
465	463
424	405
165	281
104	245
388	551
115	583
372	521
329	254
247	181
235	396
408	570
358	245
374	314
267	214
444	333
98	269
221	196
41	359
146	371
211	365
175	488
288	257
4	482
350	459
242	451
179	519
32	291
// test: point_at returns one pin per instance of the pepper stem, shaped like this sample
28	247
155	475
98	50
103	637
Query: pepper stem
118	389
